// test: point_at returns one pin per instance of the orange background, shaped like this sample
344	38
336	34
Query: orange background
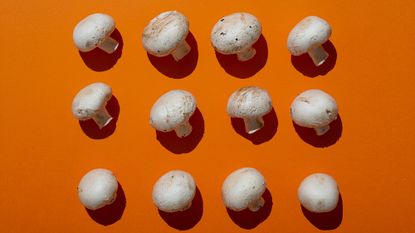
45	152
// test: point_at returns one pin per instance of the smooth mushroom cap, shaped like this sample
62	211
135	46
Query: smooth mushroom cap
235	33
90	100
318	193
92	30
164	33
242	187
97	188
249	102
314	108
309	33
174	191
172	109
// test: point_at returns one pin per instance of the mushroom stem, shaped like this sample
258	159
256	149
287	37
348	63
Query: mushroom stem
318	55
256	205
183	130
109	45
246	54
322	130
182	50
253	124
102	118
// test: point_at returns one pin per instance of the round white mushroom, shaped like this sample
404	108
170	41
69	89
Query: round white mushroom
90	103
251	104
174	191
243	189
166	34
308	36
235	34
97	188
314	109
94	31
172	111
318	193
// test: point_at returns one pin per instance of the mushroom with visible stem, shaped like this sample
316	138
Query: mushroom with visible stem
251	104
308	36
166	34
235	34
314	109
94	31
90	103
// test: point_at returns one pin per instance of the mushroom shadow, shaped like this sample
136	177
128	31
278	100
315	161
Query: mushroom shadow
177	69
305	65
110	214
331	137
263	135
245	69
92	130
326	221
247	219
184	145
99	60
185	220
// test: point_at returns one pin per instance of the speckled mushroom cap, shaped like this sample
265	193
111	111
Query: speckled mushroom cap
314	108
90	99
236	32
174	191
309	33
92	30
249	101
164	33
172	109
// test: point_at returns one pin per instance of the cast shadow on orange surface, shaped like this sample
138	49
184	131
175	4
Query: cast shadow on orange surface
99	60
326	221
92	130
110	214
177	69
305	65
331	137
185	220
247	219
263	135
245	69
184	145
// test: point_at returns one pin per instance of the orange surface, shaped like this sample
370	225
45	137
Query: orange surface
45	152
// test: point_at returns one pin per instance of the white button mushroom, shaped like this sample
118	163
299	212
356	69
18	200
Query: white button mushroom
308	36
94	31
251	104
243	189
314	109
174	191
166	34
97	188
90	103
318	193
172	111
235	34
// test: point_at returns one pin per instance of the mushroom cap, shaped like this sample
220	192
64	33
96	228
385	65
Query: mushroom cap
97	188
172	109
249	101
90	100
164	33
314	108
235	33
174	191
242	187
92	30
318	193
309	33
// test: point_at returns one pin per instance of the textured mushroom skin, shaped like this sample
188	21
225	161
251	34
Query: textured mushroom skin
235	33
174	191
164	33
249	101
90	100
309	33
242	187
92	30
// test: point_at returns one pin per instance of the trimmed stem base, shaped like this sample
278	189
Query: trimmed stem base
318	55
183	130
182	50
102	118
256	205
322	130
246	54
253	124
109	45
